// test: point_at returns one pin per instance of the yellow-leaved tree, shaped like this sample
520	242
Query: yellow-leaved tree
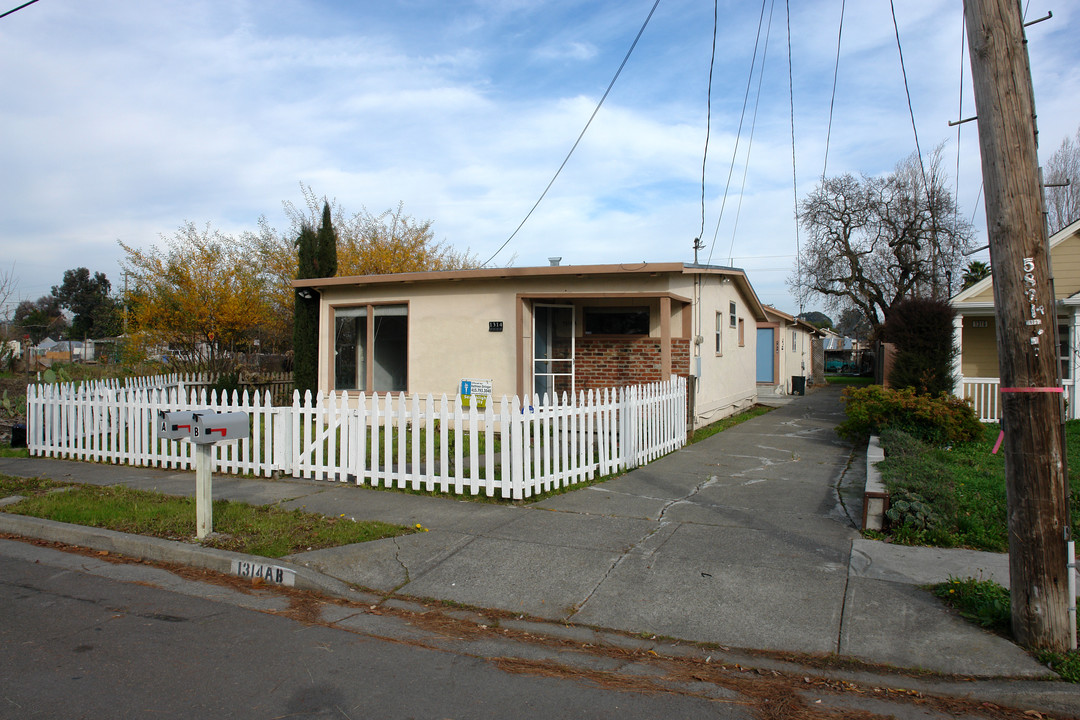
199	301
368	244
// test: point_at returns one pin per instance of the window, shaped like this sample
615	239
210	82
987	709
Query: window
719	332
371	356
794	341
731	313
1063	352
742	336
616	321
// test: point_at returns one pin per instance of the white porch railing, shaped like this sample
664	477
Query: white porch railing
515	450
985	395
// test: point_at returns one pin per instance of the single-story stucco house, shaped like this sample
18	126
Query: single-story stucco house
543	330
974	329
785	353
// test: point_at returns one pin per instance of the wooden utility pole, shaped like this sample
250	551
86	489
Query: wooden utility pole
1026	324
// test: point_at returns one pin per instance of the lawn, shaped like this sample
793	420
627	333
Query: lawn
955	496
269	531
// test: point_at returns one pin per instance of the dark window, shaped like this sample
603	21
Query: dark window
388	356
617	321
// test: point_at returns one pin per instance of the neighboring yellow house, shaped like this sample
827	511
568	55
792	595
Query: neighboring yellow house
543	330
974	328
785	353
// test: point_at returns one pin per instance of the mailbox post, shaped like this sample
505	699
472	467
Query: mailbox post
204	428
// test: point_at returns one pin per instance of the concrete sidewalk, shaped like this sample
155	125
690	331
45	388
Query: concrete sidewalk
746	540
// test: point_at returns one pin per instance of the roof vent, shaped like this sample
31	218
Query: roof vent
554	261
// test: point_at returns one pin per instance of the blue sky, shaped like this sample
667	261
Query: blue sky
121	120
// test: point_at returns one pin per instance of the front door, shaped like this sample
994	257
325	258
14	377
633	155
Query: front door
766	355
553	351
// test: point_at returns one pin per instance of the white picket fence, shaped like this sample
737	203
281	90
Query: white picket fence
514	450
985	396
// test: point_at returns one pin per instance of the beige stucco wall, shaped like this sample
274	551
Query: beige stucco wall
727	381
794	354
448	336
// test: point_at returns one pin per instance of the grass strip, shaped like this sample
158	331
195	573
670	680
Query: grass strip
269	531
728	422
988	604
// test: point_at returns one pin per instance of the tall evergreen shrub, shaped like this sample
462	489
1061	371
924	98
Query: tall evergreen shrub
922	331
306	316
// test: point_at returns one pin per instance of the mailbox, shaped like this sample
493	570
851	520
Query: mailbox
175	424
213	427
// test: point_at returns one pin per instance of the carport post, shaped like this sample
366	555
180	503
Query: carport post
204	509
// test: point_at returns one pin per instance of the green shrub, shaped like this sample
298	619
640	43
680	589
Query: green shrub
922	331
226	384
939	420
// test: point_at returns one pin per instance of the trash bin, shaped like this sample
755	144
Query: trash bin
798	384
18	435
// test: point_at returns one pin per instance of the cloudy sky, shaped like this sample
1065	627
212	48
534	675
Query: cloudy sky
122	119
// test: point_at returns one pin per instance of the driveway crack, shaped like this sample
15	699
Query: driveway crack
661	523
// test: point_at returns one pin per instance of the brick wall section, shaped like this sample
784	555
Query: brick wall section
613	361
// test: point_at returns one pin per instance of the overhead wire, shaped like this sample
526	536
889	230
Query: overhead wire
708	119
832	99
907	90
580	136
14	10
750	141
918	149
738	134
960	111
794	177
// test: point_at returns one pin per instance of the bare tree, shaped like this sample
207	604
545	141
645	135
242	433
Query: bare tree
876	240
8	283
1063	200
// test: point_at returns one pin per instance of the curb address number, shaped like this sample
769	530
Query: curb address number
269	573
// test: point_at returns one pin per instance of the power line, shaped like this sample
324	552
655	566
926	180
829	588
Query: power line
750	141
907	92
794	177
738	134
708	121
576	142
25	4
960	113
918	151
832	100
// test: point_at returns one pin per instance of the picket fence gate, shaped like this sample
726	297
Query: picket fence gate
511	448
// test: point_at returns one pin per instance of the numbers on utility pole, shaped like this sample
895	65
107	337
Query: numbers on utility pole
1036	310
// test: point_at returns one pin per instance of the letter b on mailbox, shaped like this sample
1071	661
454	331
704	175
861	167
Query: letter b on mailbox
219	427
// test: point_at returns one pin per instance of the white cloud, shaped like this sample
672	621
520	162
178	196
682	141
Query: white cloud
122	121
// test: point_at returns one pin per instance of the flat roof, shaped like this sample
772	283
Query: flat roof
643	268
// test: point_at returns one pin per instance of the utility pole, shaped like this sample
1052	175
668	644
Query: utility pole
1026	311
